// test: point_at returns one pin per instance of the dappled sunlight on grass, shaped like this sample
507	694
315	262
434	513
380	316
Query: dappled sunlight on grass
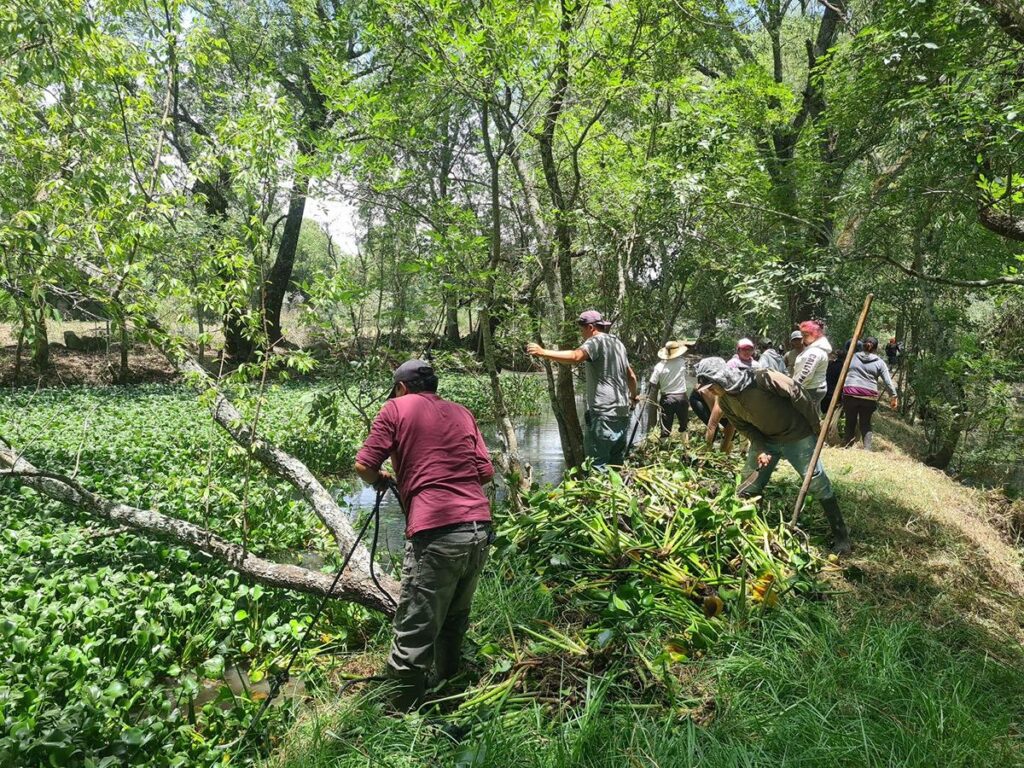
923	543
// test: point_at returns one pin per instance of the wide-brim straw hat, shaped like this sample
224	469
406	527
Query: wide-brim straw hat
674	349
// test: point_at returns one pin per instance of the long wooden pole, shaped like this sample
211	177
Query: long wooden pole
836	394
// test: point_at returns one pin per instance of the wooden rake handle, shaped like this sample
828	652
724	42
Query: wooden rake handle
831	409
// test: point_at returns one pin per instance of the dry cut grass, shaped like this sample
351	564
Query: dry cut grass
927	543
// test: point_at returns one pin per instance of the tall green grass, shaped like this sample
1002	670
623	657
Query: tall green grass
798	688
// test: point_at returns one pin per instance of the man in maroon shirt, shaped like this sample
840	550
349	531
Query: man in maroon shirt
441	463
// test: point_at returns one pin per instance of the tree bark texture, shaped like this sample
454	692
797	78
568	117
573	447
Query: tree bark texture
280	276
804	301
1009	15
518	473
40	340
564	401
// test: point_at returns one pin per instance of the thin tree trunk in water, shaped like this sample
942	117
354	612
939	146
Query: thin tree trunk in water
518	473
280	276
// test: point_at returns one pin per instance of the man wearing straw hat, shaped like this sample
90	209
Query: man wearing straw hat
668	386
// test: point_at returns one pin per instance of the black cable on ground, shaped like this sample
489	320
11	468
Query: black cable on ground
282	677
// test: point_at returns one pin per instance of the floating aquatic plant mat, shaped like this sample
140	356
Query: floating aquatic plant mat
645	567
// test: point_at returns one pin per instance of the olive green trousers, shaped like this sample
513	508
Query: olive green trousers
439	576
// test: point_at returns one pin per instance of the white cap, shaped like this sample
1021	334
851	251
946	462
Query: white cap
745	342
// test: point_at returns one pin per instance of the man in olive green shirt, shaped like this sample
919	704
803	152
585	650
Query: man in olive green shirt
611	387
778	418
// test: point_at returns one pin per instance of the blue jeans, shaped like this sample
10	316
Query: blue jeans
798	454
604	438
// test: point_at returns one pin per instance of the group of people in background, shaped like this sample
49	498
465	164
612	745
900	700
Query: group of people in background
441	462
774	399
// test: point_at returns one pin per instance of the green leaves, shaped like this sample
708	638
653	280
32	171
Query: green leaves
661	544
106	634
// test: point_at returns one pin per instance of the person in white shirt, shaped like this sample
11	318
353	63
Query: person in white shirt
668	386
812	363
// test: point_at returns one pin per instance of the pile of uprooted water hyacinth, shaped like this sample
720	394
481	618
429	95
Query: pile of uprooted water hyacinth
650	562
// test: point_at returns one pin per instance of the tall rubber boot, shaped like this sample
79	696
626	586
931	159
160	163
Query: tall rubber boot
840	535
868	436
408	688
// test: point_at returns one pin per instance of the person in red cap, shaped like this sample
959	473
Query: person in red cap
441	463
611	386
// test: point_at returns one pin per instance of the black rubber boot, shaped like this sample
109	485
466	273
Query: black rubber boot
408	689
840	535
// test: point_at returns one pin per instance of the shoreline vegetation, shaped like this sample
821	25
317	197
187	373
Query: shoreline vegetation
910	656
225	223
124	648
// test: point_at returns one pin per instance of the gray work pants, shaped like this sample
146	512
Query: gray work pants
439	576
604	438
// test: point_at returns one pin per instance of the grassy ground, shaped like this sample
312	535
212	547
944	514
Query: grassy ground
913	659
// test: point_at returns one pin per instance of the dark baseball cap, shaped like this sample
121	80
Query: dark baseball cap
410	370
592	317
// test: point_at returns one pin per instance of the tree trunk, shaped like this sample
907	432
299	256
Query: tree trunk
21	344
202	332
564	402
451	321
280	276
40	340
123	372
518	473
943	455
779	149
237	344
352	586
708	334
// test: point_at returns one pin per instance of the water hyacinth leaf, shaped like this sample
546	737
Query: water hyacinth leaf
134	737
214	667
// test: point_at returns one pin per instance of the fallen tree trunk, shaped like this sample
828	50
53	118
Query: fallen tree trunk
356	585
352	586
